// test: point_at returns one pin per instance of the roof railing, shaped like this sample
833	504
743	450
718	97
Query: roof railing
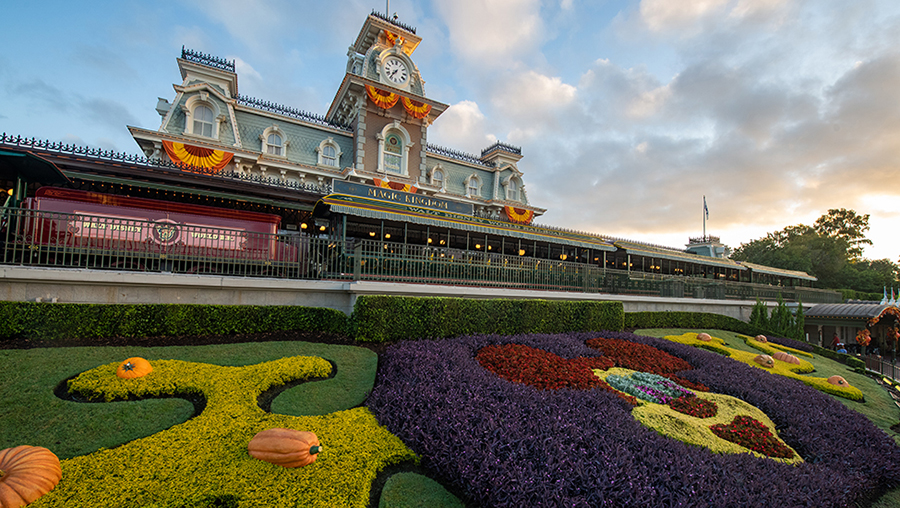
207	60
456	154
288	111
99	154
502	146
393	21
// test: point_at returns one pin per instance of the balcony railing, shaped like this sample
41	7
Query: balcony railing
33	238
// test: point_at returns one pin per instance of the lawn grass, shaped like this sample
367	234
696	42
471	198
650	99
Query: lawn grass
35	416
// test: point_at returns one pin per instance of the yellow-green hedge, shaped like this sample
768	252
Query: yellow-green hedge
204	461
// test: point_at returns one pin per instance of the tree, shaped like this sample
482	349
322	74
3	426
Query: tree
846	225
759	315
799	322
781	322
830	250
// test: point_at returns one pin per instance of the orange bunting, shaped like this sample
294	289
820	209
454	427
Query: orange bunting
416	109
519	215
405	187
392	38
194	156
382	99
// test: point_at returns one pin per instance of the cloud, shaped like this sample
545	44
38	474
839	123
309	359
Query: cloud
462	127
42	94
108	113
491	33
530	97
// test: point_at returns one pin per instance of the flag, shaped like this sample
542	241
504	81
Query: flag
705	209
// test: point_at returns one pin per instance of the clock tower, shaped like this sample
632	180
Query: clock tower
382	98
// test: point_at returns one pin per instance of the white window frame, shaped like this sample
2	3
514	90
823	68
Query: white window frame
516	182
473	179
191	105
438	170
322	159
264	139
398	130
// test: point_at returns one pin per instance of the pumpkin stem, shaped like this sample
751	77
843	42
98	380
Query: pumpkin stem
315	449
2	473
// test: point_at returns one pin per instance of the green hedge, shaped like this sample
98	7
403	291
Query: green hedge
389	318
703	320
71	320
848	360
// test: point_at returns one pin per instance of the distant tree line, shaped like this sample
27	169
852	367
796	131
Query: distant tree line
781	322
831	250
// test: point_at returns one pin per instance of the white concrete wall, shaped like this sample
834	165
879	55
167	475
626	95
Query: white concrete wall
65	285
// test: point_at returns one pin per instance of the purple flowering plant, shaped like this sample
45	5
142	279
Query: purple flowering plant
506	444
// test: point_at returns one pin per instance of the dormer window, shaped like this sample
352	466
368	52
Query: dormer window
473	186
437	178
273	145
203	121
512	190
329	153
274	142
202	117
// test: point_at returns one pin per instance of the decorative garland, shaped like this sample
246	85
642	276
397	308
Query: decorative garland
398	186
392	38
195	156
890	311
519	215
382	99
416	109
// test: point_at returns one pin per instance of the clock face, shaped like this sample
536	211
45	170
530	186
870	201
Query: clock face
395	70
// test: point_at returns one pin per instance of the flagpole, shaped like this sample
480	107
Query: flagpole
704	218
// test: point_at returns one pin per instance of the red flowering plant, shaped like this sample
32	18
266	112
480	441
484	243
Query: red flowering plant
643	358
752	434
694	406
544	370
863	338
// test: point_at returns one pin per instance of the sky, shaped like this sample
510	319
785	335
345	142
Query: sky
628	112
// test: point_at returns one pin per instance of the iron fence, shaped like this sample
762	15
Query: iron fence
34	238
876	363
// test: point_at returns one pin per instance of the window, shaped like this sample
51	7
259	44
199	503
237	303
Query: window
473	186
274	142
329	157
512	191
437	178
329	153
273	145
393	153
394	143
202	116
203	121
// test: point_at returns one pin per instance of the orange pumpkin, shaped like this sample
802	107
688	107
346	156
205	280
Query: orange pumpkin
761	338
786	357
704	337
26	473
134	367
838	380
285	447
765	360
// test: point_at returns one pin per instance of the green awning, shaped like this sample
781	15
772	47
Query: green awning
674	255
385	210
29	167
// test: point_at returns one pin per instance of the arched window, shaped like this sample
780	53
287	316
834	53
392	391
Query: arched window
329	157
512	190
473	186
437	178
273	145
393	149
329	153
203	121
274	142
393	153
202	116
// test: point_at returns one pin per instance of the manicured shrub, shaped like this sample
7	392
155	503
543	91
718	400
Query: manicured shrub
70	320
521	446
391	318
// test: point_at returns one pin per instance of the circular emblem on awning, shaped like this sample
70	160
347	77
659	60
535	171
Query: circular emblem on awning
166	231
